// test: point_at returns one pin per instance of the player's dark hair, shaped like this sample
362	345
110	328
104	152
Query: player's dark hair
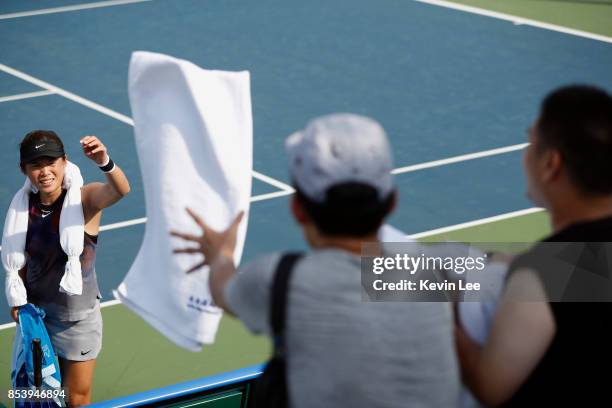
577	121
37	137
349	209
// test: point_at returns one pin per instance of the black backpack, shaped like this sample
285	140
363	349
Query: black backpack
271	389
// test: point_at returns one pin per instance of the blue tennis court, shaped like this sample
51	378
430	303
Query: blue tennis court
444	84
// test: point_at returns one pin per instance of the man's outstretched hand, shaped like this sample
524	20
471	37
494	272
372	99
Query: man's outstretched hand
211	243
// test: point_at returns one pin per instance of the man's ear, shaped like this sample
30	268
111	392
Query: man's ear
552	165
298	211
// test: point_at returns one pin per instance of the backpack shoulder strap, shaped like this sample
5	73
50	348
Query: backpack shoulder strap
280	289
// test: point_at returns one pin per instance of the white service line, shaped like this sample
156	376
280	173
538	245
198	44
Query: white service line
26	95
123	224
274	182
475	223
517	20
64	9
461	158
268	196
66	94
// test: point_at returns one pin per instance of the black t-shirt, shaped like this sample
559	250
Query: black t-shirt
574	370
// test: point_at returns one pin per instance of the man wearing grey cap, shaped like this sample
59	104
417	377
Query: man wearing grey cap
341	351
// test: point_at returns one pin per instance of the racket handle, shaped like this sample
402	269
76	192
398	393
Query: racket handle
37	360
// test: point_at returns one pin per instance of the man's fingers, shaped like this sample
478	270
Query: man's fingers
197	219
188	237
186	251
196	267
237	220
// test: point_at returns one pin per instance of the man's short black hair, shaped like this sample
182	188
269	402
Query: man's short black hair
577	120
349	210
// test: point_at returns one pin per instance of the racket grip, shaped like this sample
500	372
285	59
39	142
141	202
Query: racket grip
37	360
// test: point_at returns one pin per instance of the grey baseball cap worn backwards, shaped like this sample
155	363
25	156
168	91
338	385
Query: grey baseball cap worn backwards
340	148
46	147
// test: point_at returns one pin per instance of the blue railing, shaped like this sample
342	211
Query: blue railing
184	389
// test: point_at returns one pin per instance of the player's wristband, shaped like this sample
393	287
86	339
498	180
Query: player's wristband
108	167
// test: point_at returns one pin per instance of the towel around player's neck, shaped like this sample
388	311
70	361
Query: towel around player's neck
71	237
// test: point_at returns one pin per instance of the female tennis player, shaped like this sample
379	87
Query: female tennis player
74	322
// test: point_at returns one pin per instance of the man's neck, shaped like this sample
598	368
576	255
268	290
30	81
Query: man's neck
575	210
349	244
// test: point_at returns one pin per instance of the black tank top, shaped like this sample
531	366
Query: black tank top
46	260
573	371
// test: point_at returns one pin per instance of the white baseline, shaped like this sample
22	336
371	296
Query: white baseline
517	20
65	9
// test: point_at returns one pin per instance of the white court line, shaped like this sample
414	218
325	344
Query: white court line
274	182
66	94
123	224
517	20
475	223
26	95
64	9
110	303
461	158
268	196
7	326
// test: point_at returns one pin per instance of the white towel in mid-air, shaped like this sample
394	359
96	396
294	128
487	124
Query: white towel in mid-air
193	130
